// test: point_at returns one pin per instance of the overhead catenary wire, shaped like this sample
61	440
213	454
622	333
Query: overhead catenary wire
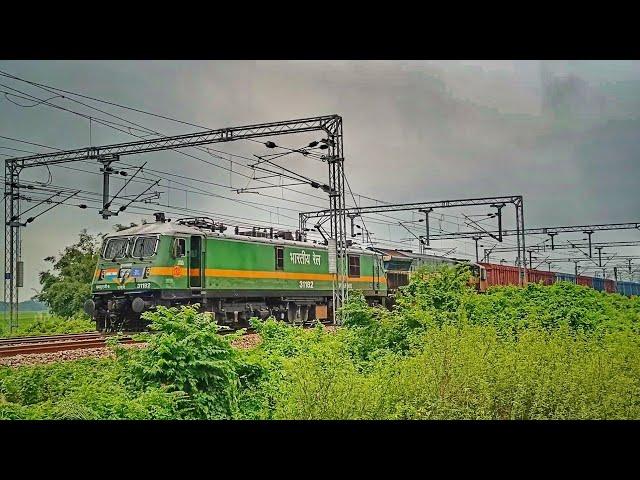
148	130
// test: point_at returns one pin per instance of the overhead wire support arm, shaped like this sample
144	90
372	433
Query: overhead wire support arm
482	230
108	205
248	189
549	230
124	207
55	204
47	200
408	230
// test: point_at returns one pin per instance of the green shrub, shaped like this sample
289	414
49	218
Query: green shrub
187	355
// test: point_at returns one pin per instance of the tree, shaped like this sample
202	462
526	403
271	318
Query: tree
66	288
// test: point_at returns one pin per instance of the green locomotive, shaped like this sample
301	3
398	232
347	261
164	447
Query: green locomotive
235	276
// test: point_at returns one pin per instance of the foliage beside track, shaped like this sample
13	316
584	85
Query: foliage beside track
444	352
66	288
85	389
43	323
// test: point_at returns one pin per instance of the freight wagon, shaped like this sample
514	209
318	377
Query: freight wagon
598	284
584	281
508	275
501	274
537	276
604	284
565	277
628	288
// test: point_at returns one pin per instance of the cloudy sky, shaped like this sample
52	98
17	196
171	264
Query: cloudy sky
562	134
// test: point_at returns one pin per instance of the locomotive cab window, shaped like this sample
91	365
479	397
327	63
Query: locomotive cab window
279	258
354	265
145	247
116	248
179	247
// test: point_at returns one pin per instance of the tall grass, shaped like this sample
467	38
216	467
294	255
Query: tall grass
44	323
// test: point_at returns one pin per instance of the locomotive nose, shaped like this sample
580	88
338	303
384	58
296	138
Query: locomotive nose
89	307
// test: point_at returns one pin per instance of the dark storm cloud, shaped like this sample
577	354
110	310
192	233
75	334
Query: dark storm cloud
563	134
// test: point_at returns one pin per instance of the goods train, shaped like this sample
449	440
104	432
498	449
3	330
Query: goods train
257	273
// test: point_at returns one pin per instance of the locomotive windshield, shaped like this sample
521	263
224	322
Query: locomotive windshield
144	247
116	248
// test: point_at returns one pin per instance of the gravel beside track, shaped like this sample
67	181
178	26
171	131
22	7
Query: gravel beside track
249	340
39	358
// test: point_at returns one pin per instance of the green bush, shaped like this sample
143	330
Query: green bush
187	355
580	308
444	352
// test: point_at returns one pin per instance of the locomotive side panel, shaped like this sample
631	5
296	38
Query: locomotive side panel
235	278
236	266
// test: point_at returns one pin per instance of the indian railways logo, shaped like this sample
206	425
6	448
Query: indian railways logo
177	271
302	258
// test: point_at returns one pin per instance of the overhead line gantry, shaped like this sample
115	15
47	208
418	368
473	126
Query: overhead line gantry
427	207
105	155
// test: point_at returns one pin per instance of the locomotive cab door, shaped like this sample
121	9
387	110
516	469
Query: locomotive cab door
196	261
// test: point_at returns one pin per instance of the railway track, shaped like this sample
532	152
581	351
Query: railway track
48	338
54	343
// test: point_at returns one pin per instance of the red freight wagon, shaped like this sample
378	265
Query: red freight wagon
501	274
586	281
537	276
610	285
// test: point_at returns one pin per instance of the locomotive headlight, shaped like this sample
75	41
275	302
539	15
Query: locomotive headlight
146	272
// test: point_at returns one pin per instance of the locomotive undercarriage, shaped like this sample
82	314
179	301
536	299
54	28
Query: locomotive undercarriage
122	312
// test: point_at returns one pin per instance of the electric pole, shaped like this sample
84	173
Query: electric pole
599	255
499	206
426	212
589	233
476	240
